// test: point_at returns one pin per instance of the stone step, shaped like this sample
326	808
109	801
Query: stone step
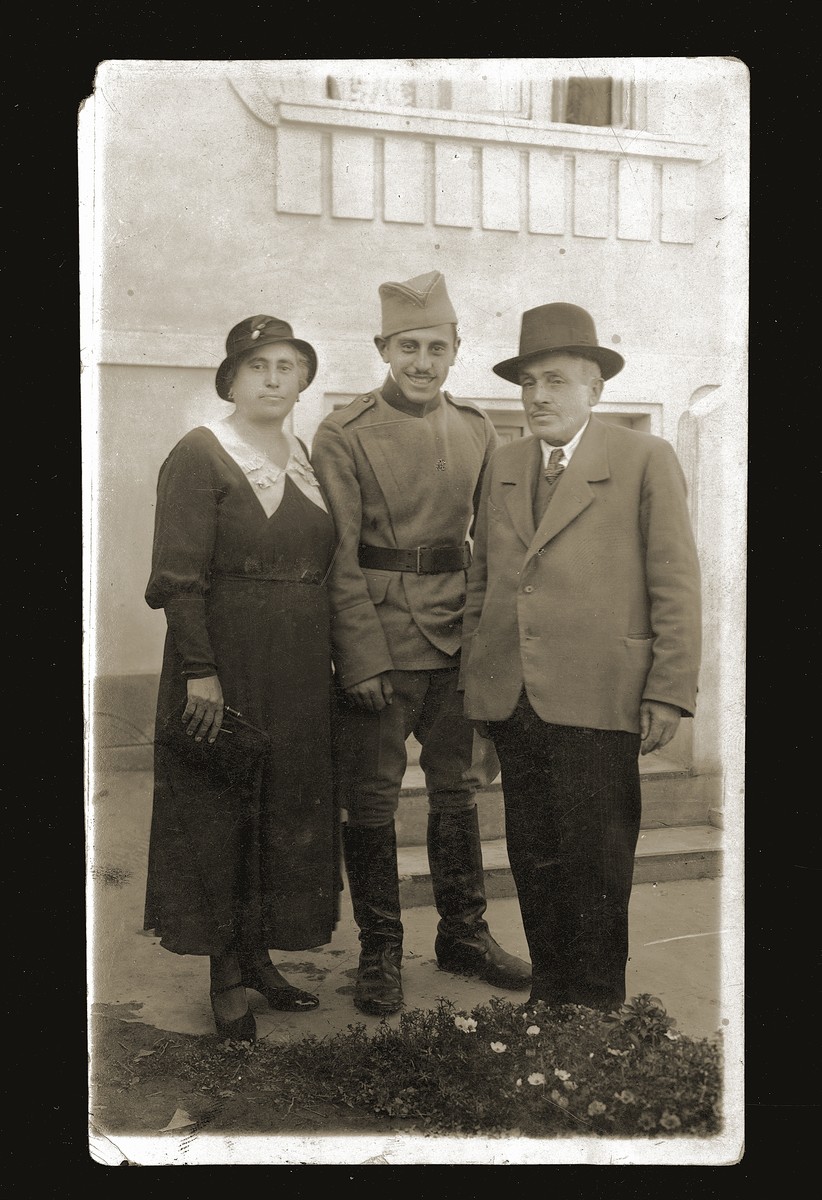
663	856
671	796
121	809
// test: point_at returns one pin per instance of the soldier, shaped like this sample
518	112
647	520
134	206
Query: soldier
401	468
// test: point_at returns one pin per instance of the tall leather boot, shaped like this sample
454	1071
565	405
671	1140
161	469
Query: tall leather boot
464	943
371	865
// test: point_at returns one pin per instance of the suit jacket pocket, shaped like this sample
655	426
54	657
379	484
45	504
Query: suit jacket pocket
640	650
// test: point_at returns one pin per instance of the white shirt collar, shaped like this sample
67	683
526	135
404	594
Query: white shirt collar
567	450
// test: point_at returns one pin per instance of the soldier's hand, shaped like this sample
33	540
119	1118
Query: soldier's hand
657	724
372	694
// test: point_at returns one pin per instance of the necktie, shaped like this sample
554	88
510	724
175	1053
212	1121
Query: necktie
554	468
546	483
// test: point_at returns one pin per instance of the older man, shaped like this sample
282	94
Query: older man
581	645
401	467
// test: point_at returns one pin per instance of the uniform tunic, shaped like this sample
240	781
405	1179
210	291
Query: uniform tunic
399	480
245	597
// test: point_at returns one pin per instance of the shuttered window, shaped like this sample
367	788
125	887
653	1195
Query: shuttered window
572	100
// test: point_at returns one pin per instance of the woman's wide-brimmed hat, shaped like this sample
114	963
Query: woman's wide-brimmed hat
557	328
252	333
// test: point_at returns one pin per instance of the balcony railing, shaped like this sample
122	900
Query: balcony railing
403	164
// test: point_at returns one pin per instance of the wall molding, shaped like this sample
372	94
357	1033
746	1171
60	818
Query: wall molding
345	160
441	123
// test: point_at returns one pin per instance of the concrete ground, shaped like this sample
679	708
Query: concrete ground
680	945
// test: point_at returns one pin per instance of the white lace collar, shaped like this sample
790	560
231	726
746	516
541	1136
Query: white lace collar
261	471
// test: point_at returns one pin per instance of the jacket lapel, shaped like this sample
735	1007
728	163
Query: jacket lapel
573	493
517	484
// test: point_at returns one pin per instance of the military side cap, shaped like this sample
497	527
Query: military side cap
418	303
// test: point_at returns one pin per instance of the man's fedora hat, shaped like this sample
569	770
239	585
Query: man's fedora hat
419	303
252	333
555	329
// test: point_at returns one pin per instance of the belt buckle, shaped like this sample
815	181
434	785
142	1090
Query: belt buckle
419	564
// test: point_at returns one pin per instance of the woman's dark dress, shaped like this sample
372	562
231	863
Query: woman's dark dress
244	594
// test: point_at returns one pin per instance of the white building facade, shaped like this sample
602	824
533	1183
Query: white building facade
220	190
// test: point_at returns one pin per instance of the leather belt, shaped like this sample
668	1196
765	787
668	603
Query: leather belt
419	560
312	577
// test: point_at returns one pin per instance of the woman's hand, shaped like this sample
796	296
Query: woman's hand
204	711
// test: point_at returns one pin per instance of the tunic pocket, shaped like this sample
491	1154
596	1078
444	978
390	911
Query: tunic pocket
377	583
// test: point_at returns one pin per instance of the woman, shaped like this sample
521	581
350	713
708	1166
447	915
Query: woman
242	864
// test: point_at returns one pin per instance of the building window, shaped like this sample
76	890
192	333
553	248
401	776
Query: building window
511	424
606	101
390	93
587	101
595	101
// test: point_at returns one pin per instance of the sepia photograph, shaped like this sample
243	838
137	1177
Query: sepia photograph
414	454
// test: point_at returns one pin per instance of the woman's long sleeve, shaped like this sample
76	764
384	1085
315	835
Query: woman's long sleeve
184	535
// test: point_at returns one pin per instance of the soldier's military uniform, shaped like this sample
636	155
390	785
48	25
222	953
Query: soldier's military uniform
402	482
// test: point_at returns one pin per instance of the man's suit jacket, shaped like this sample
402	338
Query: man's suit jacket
599	607
400	481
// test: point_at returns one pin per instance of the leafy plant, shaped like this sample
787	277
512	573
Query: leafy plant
644	1020
497	1071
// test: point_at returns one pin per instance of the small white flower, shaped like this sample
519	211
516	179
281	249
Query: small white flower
536	1079
466	1024
499	1047
562	1074
519	1083
596	1108
532	1030
672	1037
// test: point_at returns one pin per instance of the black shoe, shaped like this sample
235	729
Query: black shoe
478	954
378	991
283	996
243	1029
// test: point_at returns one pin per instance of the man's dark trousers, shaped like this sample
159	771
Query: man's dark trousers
572	813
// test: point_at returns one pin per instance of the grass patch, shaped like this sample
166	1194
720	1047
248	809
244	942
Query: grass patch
501	1070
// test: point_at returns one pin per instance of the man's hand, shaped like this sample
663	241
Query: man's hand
204	711
372	694
657	724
